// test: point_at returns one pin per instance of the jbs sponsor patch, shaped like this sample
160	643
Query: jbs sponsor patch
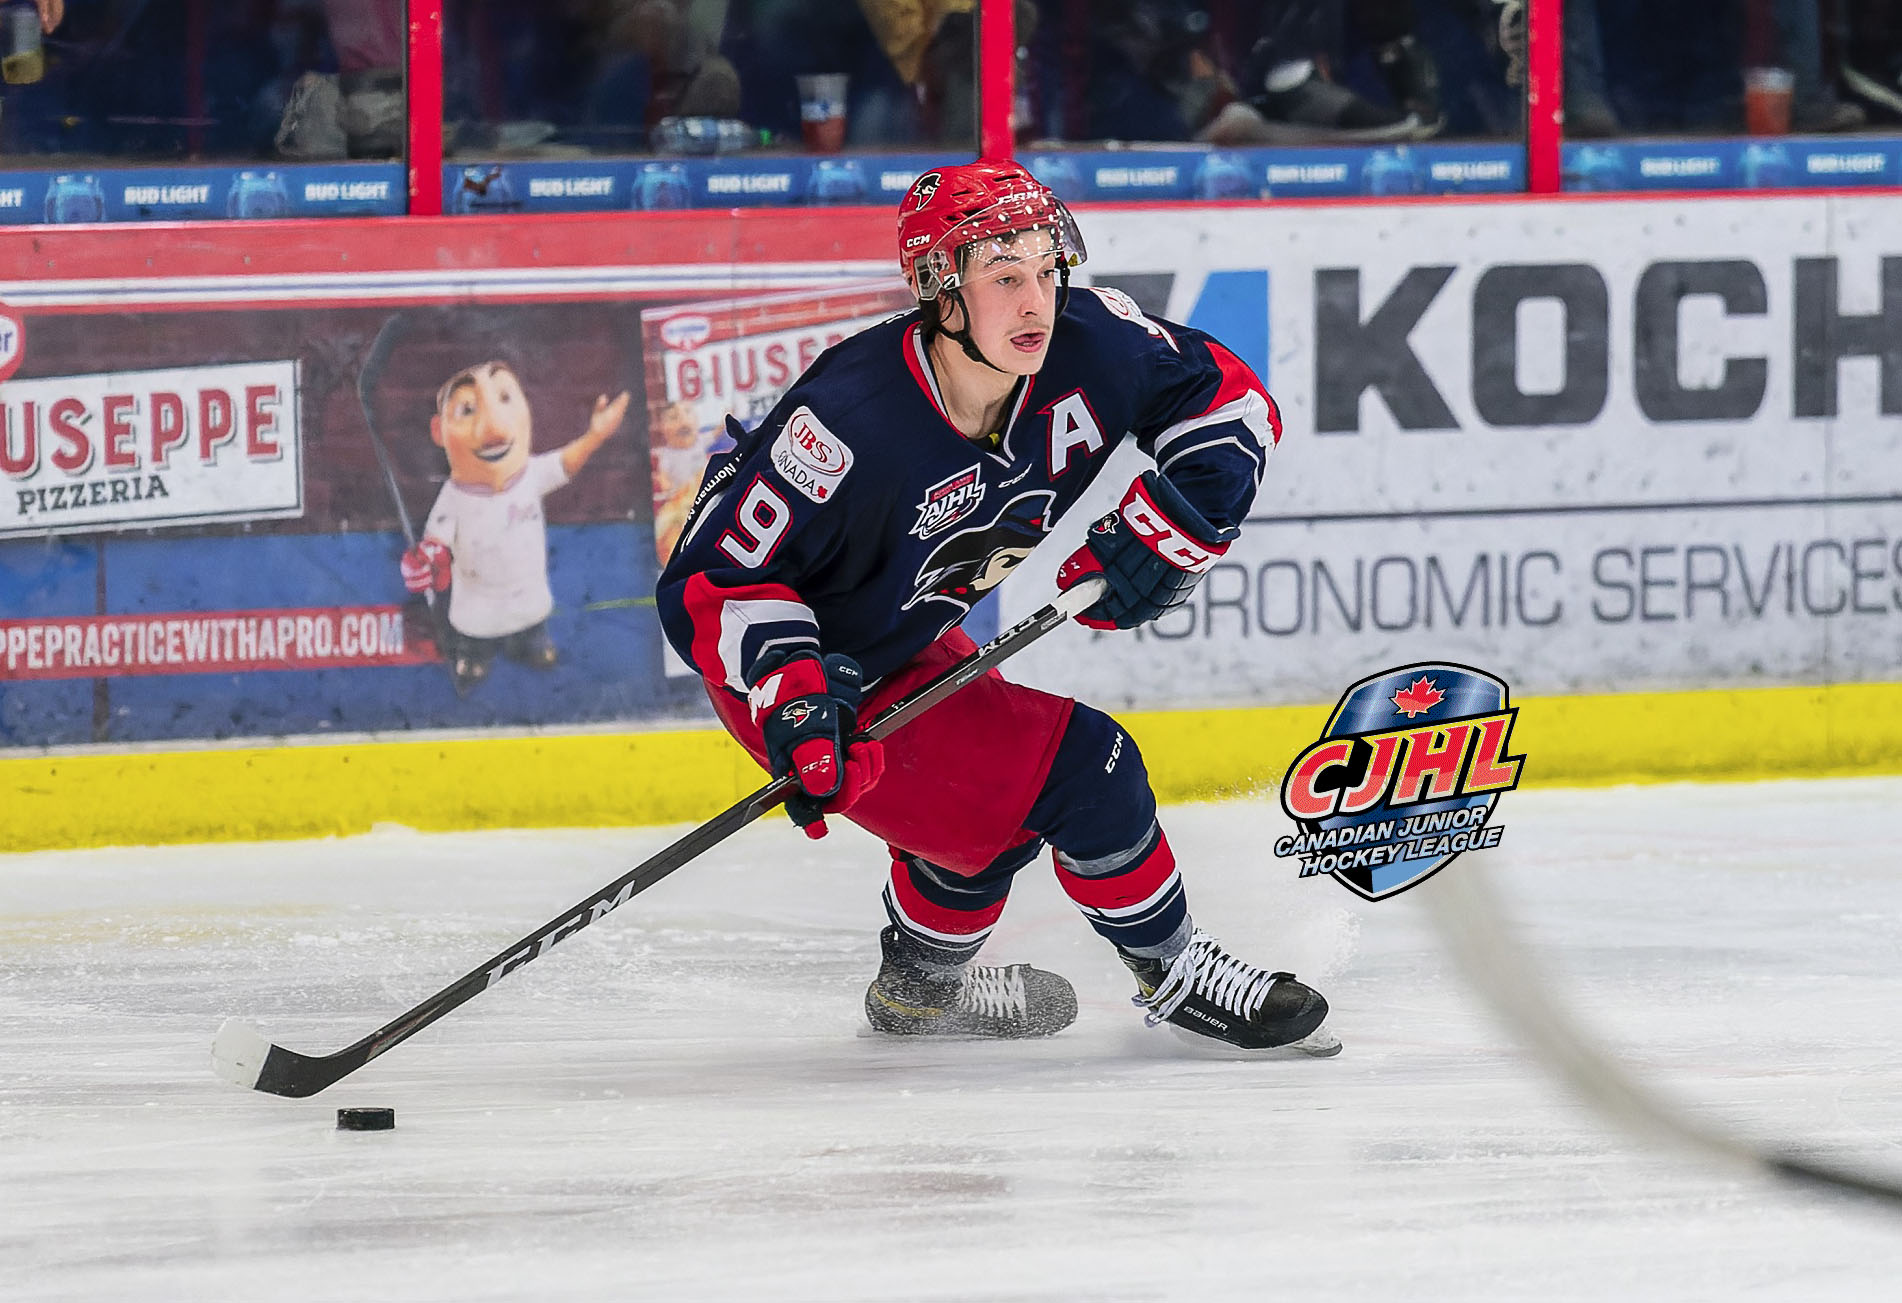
810	457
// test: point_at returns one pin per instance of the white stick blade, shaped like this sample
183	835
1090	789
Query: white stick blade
238	1053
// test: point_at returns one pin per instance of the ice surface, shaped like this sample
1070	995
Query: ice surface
675	1104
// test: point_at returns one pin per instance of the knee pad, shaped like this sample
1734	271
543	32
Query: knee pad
1097	799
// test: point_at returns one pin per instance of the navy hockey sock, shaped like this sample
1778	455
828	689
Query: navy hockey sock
1097	810
943	918
1133	898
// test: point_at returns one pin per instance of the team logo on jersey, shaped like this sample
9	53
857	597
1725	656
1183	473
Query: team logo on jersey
973	561
810	457
1404	778
949	501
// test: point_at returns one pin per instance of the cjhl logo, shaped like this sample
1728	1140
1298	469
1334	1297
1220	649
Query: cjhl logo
1404	779
947	502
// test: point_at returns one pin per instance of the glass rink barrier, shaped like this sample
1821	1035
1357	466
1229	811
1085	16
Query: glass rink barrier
180	110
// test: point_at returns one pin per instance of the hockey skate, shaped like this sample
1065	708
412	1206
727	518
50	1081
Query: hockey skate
1210	993
976	1001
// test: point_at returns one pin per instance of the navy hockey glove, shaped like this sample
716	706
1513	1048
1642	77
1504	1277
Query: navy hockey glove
1153	550
806	709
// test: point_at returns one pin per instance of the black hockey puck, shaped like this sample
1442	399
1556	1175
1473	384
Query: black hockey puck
366	1119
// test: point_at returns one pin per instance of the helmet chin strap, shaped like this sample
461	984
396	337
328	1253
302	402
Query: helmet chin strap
962	335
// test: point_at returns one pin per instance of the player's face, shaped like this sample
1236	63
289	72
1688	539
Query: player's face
482	423
1010	290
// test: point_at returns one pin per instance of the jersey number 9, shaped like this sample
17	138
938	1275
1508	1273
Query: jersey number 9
757	527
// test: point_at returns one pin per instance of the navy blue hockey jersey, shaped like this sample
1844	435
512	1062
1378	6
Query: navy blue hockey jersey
857	519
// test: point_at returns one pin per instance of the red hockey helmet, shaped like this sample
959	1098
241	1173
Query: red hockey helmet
948	209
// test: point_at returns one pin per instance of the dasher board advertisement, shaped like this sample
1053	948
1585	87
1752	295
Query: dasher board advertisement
289	511
182	445
1593	446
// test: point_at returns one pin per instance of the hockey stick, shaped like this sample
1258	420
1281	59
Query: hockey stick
242	1055
372	370
1466	908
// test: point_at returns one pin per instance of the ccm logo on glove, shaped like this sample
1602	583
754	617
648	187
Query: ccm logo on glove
807	709
1173	546
1152	551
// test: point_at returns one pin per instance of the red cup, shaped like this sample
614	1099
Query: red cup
1767	93
822	111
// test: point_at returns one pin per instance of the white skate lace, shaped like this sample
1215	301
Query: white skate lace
994	992
1203	969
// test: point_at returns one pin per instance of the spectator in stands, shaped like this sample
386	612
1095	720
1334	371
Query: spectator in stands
774	42
929	44
1137	70
357	111
1155	70
656	65
1681	67
1814	106
1588	111
1411	75
1870	37
1288	99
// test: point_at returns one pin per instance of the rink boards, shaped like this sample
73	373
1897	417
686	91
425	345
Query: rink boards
253	793
1637	458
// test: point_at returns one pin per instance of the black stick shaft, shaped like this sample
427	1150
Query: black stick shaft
286	1072
379	357
372	371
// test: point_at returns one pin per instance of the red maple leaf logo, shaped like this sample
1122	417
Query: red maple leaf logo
1418	697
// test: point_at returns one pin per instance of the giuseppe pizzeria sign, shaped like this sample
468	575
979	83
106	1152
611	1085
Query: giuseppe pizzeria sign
125	449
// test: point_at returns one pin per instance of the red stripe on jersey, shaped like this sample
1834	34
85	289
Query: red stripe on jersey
1239	379
952	922
705	601
1132	886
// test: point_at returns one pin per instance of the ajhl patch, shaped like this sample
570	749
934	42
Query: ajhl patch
949	501
1404	779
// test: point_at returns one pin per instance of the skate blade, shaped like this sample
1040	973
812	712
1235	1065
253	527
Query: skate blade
1317	1044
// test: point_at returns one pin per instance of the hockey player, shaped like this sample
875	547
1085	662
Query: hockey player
486	540
833	553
